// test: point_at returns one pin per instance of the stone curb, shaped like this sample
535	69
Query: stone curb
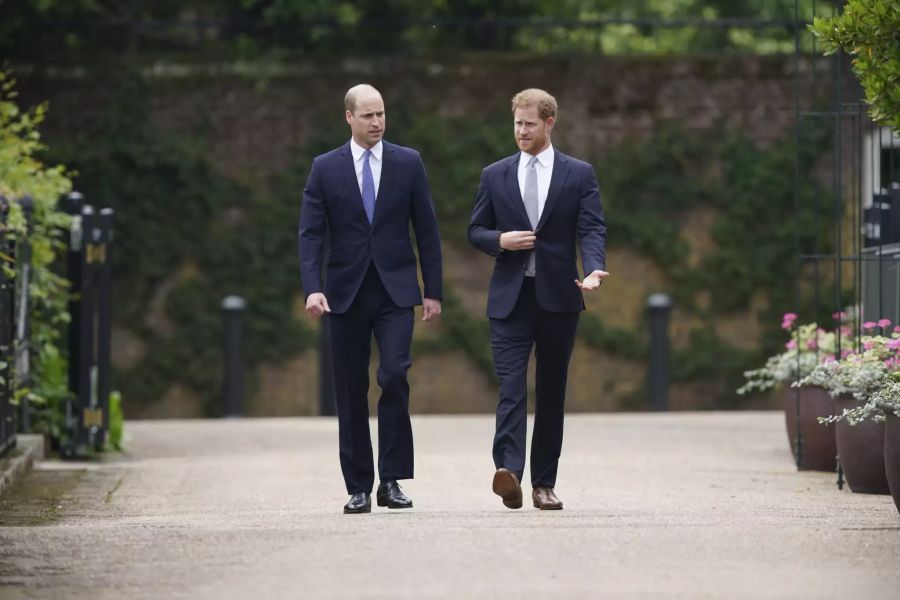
20	459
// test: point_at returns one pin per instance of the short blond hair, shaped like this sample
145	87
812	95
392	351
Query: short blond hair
545	103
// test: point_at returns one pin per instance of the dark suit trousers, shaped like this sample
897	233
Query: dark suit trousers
552	334
372	311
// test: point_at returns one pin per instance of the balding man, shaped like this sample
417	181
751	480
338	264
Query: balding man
364	195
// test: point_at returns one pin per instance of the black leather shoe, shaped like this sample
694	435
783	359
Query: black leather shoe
359	503
390	495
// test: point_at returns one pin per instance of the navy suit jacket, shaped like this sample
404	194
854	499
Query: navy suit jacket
332	204
572	213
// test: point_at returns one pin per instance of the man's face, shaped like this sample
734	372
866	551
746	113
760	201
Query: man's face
532	133
367	121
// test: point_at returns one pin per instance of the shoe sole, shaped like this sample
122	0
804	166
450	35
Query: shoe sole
395	506
357	511
536	505
506	485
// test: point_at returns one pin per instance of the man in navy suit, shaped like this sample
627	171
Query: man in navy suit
531	210
363	196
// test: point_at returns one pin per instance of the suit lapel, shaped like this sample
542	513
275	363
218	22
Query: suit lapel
512	188
387	177
557	180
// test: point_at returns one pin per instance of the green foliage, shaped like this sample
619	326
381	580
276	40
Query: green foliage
183	226
652	190
181	223
623	343
22	174
468	333
116	422
89	31
867	31
442	142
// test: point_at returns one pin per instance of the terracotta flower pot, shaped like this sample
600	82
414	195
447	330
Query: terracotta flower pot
861	452
892	455
818	448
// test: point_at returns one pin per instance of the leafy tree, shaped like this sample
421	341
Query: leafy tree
869	31
81	30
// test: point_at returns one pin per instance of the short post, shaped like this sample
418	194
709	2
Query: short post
659	307
233	380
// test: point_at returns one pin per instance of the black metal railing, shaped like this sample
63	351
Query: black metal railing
853	260
7	331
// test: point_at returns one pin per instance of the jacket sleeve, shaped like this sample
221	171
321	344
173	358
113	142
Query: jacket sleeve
591	225
428	237
311	234
483	232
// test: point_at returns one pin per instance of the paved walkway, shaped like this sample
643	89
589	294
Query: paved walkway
657	506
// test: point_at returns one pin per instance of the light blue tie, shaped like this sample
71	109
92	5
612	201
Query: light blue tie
368	187
531	206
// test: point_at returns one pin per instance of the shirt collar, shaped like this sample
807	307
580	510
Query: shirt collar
358	150
544	158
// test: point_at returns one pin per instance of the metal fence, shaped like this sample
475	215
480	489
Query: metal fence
7	329
88	268
854	259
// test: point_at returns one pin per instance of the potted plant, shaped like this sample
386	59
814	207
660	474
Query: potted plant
853	380
883	405
809	345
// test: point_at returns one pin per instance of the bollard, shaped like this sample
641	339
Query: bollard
233	377
659	307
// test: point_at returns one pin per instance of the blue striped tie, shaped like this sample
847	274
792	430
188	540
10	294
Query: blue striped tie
368	187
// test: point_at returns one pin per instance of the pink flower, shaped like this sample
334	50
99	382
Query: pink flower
870	325
845	353
884	322
897	329
868	345
788	320
845	331
791	345
893	344
827	358
812	345
839	316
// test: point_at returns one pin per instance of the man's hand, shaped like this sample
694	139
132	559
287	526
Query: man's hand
317	305
431	309
517	240
592	281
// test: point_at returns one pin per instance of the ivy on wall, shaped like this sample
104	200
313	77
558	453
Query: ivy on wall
185	227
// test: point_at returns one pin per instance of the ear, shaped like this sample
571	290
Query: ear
550	122
349	116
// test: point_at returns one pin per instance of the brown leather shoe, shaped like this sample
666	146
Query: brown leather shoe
545	499
506	485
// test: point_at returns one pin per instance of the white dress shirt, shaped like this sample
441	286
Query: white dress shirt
374	163
544	169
